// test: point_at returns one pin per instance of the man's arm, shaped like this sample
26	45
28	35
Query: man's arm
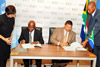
21	38
53	37
96	23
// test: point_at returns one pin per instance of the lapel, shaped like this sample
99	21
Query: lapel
89	19
27	34
62	34
92	23
34	36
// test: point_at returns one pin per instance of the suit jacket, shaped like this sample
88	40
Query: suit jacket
58	36
37	36
94	23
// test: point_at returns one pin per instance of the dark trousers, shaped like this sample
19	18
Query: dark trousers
96	51
3	62
28	62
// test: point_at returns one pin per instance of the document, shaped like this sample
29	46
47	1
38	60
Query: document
37	45
28	45
75	46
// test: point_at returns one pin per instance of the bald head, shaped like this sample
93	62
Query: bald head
31	25
91	7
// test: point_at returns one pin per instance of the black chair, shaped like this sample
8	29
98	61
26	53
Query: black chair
38	28
51	30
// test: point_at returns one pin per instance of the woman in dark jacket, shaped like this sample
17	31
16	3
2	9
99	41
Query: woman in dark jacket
7	21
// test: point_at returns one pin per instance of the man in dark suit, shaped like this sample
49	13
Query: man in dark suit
94	23
33	36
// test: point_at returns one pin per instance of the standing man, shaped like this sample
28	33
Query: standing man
33	36
94	23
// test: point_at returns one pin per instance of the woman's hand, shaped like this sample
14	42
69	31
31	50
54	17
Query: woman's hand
7	40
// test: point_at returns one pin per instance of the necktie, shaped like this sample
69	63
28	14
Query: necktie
65	38
89	19
30	37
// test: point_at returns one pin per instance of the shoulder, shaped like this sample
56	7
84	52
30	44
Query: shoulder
98	10
25	30
38	30
1	17
59	28
97	13
74	33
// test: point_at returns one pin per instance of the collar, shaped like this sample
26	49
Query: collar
6	15
65	31
93	13
32	31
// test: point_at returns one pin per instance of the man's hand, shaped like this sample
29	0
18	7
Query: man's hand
35	42
63	44
84	43
23	42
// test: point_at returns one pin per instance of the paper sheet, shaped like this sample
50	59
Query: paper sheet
28	45
74	46
37	45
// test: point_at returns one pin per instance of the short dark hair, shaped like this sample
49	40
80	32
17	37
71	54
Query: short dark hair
69	22
10	9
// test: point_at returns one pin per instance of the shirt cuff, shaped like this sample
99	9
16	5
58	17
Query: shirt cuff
38	42
58	43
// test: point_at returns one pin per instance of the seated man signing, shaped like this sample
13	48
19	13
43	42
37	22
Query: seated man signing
63	37
31	35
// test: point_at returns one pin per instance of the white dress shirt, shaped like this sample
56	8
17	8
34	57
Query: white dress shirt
32	34
93	13
64	35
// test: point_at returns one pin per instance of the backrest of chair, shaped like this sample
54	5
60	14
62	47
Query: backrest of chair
38	28
51	30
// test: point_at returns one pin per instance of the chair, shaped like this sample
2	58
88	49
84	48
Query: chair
38	28
51	30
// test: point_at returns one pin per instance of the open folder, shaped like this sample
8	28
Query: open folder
28	45
75	46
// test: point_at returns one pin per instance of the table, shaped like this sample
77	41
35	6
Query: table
53	52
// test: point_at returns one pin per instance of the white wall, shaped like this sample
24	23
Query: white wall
49	13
